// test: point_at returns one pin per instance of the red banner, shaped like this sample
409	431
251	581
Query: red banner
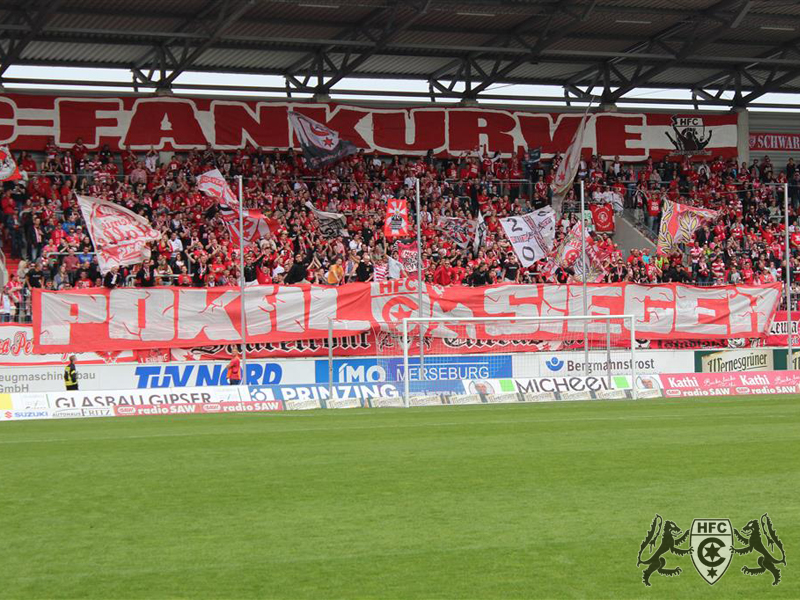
774	142
163	317
179	123
396	223
603	217
778	330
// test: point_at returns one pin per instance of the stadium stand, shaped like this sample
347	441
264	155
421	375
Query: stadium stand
47	246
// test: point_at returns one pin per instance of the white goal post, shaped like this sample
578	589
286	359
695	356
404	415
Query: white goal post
601	345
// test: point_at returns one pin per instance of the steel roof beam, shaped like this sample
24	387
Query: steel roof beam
44	11
690	45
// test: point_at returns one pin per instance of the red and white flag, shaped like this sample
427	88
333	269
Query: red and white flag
120	236
603	217
679	222
396	224
256	225
568	168
8	167
408	255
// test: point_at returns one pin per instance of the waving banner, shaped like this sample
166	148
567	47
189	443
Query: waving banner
321	145
531	235
8	166
396	223
120	236
602	217
408	255
255	224
331	225
679	222
459	231
568	167
164	317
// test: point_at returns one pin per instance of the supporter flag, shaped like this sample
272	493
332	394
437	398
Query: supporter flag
679	222
255	224
408	255
570	248
480	234
396	224
568	168
460	231
120	236
8	167
531	235
597	259
603	217
331	225
569	256
321	145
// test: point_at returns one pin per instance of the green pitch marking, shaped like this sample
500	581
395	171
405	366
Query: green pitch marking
547	500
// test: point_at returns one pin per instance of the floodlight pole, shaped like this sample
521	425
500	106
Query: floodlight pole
420	283
243	323
788	284
583	283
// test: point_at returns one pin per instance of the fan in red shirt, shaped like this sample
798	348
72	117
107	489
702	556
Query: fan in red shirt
235	369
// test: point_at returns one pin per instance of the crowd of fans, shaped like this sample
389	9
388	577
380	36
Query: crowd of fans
42	225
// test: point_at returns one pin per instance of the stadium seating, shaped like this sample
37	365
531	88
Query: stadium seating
43	233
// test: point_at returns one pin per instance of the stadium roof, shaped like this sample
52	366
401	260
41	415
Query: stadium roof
727	52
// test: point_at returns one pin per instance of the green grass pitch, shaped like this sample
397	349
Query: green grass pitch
508	501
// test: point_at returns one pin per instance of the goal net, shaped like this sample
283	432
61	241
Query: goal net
560	354
449	356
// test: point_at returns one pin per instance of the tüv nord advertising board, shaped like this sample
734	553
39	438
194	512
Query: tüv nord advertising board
143	376
431	368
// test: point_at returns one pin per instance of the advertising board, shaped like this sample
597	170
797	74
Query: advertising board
548	364
730	384
728	361
436	368
133	375
559	385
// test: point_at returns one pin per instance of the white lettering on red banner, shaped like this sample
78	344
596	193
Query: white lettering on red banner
83	320
184	123
771	142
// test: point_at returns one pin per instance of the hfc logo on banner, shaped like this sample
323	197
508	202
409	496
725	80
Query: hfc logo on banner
712	548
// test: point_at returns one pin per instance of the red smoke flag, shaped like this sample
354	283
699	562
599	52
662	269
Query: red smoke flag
396	224
120	236
603	217
679	222
568	168
8	168
256	225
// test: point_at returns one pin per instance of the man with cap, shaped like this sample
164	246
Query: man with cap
71	375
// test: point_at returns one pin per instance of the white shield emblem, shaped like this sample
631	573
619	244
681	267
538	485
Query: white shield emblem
711	541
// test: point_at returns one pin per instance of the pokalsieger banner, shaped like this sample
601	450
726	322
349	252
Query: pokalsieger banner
531	235
126	318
